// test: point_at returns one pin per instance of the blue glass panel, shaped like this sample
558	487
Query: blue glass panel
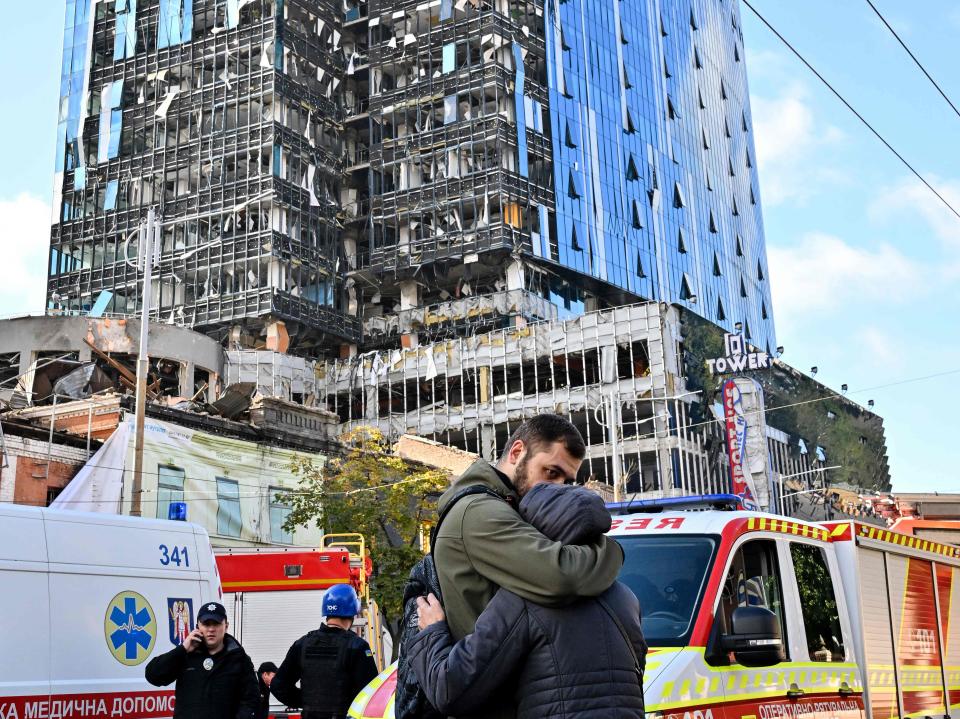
116	93
110	198
186	31
101	304
120	37
170	24
522	157
449	57
73	71
116	126
233	13
103	139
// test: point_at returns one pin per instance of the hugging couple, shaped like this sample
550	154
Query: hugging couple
532	622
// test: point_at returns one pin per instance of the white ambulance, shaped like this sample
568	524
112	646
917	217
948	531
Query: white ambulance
86	601
753	616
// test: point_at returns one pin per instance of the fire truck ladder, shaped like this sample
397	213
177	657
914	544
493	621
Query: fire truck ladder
369	623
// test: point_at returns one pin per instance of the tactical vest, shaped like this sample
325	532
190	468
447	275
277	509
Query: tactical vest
323	663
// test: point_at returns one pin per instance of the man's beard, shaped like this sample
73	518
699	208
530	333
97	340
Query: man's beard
520	478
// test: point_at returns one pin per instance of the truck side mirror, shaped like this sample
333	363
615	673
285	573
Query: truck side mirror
756	639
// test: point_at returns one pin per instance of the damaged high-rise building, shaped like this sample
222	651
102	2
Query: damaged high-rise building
350	174
226	117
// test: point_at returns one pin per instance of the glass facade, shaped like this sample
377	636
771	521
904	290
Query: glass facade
224	117
653	156
73	79
334	163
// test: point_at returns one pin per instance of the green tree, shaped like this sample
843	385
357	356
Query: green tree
820	615
373	492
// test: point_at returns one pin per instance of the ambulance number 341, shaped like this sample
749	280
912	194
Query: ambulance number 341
174	556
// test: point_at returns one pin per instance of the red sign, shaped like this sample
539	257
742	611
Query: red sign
735	430
123	705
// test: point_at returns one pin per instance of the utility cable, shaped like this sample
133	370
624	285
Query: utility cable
852	109
914	58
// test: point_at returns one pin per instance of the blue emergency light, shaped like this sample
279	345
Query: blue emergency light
701	502
177	511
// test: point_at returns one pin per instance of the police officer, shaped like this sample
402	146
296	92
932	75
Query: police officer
331	663
214	676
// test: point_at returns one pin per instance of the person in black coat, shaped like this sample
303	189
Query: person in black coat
584	660
214	675
265	674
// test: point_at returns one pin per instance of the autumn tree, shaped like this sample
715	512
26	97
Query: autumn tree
373	492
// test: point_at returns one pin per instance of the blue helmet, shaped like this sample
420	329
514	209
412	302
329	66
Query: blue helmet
341	601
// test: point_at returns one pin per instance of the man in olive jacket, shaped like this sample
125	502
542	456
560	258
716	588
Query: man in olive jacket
484	544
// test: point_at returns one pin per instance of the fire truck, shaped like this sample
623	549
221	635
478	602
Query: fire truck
751	615
274	596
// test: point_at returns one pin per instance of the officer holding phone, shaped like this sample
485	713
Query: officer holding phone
214	675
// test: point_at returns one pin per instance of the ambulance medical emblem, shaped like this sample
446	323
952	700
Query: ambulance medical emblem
180	619
130	628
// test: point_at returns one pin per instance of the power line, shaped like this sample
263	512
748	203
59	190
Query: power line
852	109
914	58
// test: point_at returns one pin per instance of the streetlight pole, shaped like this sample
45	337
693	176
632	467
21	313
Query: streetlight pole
145	259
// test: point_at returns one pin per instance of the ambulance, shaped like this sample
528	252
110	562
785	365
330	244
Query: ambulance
756	616
87	600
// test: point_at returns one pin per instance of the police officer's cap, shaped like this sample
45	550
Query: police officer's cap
211	612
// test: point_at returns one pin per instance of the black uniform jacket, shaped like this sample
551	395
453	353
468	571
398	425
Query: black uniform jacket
360	669
228	690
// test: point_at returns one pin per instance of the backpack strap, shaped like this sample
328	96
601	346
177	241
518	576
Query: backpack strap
623	631
465	492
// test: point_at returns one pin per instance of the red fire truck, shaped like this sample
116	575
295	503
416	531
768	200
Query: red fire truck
273	596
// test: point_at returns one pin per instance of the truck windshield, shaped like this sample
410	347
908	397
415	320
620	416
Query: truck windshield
668	575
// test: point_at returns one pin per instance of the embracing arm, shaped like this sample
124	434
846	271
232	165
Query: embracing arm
514	555
461	678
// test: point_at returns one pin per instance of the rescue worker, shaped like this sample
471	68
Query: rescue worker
331	663
214	675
